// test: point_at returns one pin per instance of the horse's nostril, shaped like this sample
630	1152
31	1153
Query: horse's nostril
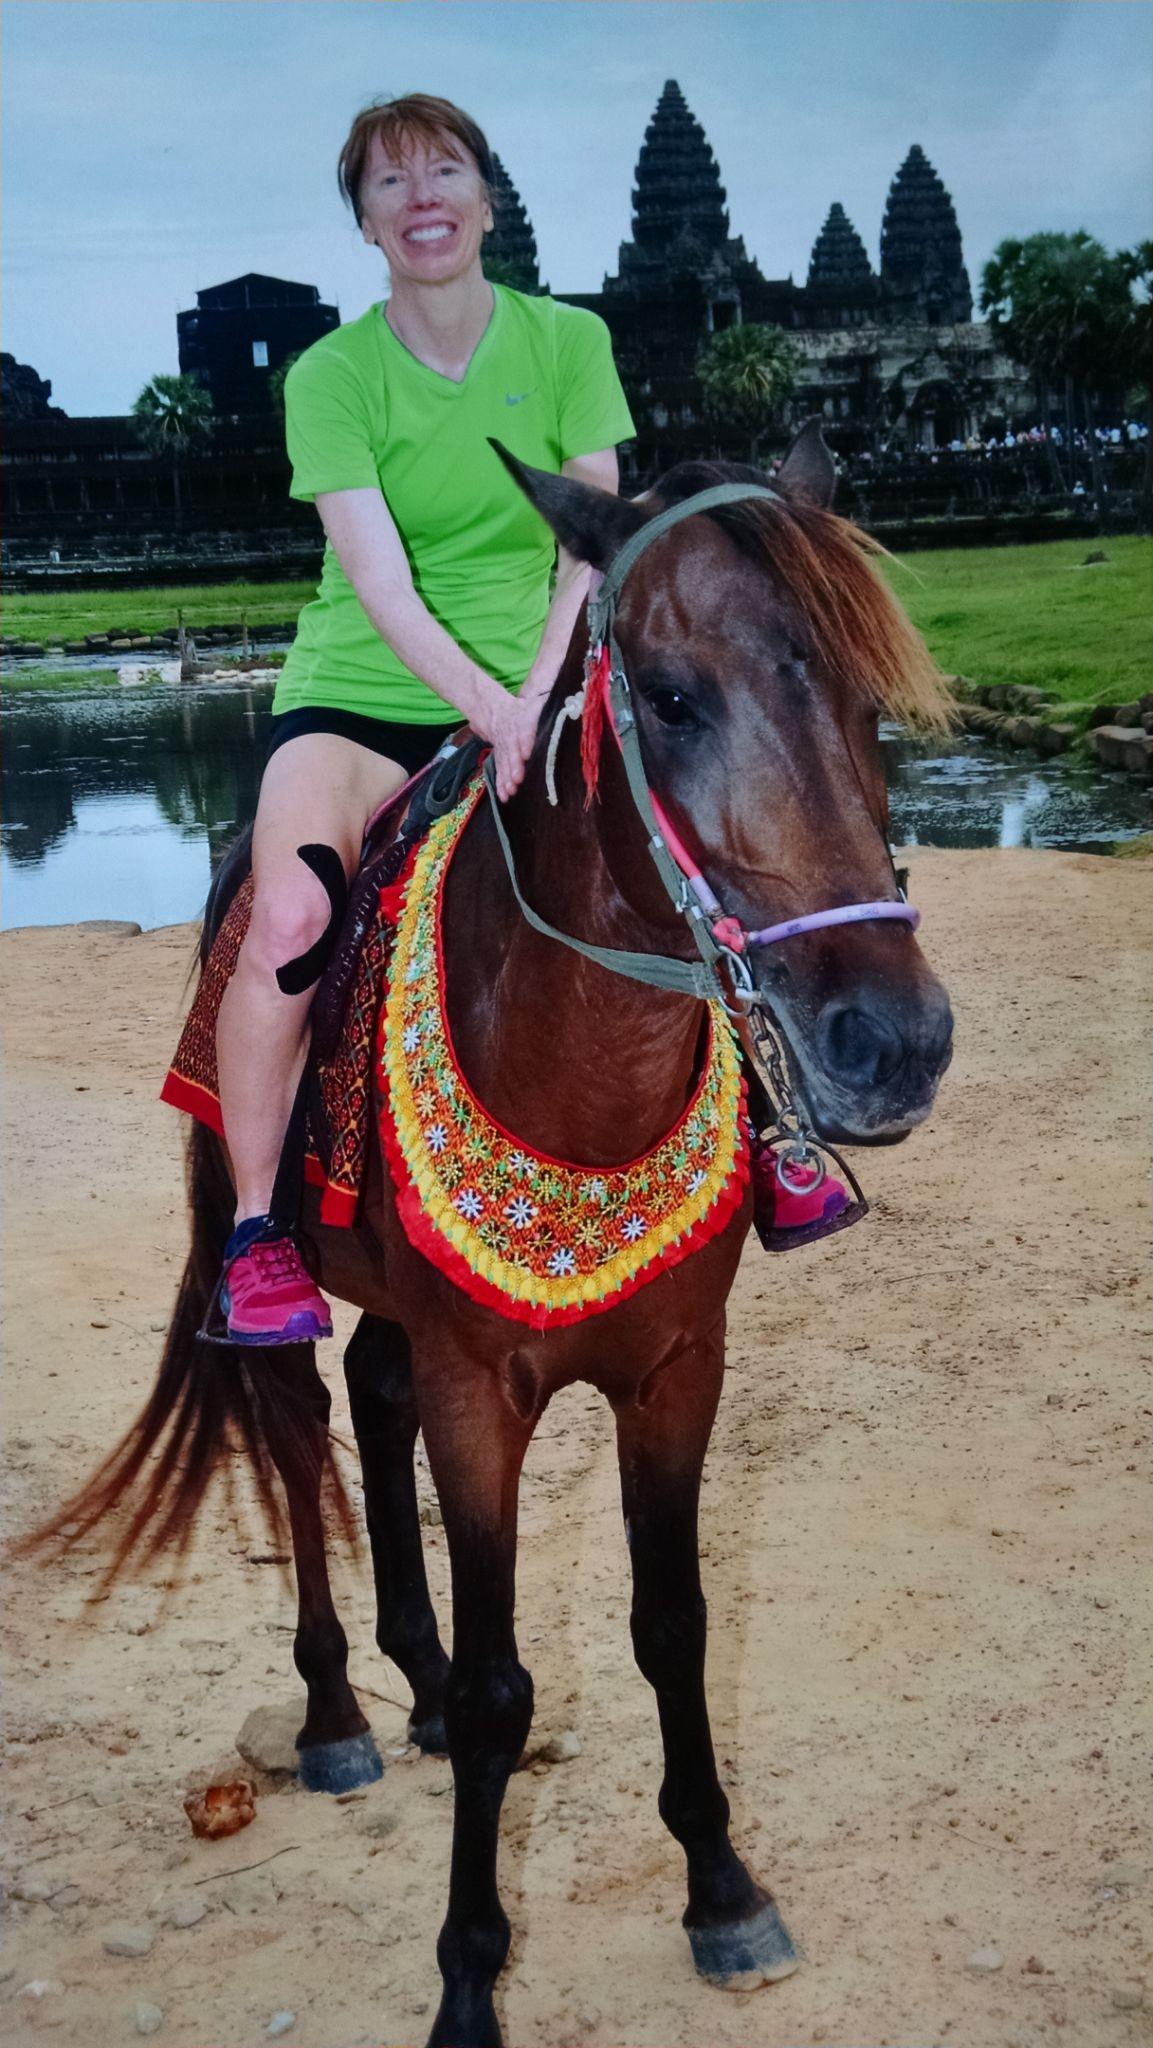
860	1047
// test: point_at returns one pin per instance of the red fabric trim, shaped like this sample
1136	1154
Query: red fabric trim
194	1100
338	1206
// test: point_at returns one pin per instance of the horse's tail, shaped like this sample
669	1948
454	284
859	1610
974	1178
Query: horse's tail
210	1401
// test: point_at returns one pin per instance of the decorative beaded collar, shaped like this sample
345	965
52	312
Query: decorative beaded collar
541	1240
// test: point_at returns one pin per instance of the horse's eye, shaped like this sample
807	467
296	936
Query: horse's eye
672	708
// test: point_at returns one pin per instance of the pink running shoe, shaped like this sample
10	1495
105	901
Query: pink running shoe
805	1197
796	1212
267	1295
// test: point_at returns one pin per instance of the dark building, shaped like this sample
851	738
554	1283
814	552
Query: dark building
509	249
890	357
94	483
842	290
241	331
923	275
23	394
682	276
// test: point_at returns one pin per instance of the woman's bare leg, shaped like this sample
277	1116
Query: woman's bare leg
316	789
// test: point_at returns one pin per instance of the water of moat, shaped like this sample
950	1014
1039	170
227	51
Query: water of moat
117	800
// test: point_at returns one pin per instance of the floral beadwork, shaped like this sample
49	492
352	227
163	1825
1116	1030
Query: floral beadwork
542	1240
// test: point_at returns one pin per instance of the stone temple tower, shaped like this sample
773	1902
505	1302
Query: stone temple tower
923	275
679	217
509	250
839	256
841	289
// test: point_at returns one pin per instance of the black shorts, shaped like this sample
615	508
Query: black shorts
412	746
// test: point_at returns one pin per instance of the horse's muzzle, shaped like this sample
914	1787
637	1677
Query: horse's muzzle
870	1065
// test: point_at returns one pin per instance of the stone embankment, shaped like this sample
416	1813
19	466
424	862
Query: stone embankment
124	640
1116	735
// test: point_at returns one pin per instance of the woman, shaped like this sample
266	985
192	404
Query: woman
433	604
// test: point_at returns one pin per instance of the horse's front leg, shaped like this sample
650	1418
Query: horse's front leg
378	1369
335	1748
737	1937
476	1441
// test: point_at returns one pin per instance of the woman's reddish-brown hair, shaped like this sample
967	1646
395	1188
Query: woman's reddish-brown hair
419	117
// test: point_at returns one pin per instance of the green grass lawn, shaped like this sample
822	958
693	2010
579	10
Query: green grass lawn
1033	615
58	615
997	615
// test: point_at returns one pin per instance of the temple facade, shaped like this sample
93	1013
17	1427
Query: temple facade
891	357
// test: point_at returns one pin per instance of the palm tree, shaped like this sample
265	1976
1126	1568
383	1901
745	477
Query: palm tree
174	415
276	380
747	375
1068	310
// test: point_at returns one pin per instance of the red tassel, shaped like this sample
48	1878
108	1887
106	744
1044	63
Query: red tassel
593	719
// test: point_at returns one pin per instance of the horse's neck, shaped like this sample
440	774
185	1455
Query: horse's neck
576	1061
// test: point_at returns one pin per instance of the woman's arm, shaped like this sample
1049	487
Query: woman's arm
572	582
369	549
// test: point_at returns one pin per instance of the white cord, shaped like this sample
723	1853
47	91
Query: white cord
571	708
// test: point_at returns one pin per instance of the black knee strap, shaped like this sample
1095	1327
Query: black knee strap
325	863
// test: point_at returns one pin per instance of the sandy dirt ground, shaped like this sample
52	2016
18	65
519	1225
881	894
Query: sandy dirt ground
925	1535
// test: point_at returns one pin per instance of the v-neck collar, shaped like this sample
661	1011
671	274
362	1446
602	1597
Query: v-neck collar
438	376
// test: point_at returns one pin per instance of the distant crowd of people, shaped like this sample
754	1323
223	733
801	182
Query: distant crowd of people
992	464
1129	434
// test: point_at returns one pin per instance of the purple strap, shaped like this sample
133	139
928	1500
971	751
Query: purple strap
819	920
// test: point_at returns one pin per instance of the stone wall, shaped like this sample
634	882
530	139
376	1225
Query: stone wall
1119	736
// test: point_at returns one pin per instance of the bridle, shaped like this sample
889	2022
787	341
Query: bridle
722	972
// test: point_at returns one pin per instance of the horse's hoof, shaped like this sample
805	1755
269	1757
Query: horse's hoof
339	1766
745	1953
429	1735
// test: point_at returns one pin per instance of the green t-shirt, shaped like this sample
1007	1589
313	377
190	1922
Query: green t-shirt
361	411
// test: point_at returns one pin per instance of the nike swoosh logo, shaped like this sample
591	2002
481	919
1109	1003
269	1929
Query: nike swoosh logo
515	397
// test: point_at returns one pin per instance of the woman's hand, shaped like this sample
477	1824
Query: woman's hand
510	727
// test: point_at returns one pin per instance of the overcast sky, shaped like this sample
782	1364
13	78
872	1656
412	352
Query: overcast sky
153	147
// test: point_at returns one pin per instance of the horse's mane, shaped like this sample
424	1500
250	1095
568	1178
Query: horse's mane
854	627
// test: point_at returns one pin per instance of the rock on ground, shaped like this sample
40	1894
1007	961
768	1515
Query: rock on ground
267	1739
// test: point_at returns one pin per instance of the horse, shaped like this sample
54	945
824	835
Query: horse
761	648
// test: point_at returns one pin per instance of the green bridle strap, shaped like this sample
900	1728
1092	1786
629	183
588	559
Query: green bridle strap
603	605
679	977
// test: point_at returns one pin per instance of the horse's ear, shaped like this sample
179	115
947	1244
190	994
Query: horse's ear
808	470
593	525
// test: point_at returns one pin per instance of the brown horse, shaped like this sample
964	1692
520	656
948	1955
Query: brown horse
762	649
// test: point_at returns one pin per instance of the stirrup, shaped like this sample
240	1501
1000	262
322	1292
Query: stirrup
214	1324
787	1240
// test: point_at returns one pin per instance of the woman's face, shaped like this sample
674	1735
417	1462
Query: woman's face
426	212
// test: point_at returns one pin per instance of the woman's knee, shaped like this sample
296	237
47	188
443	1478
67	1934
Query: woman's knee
288	917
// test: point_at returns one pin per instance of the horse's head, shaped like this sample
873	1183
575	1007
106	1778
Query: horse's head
762	648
